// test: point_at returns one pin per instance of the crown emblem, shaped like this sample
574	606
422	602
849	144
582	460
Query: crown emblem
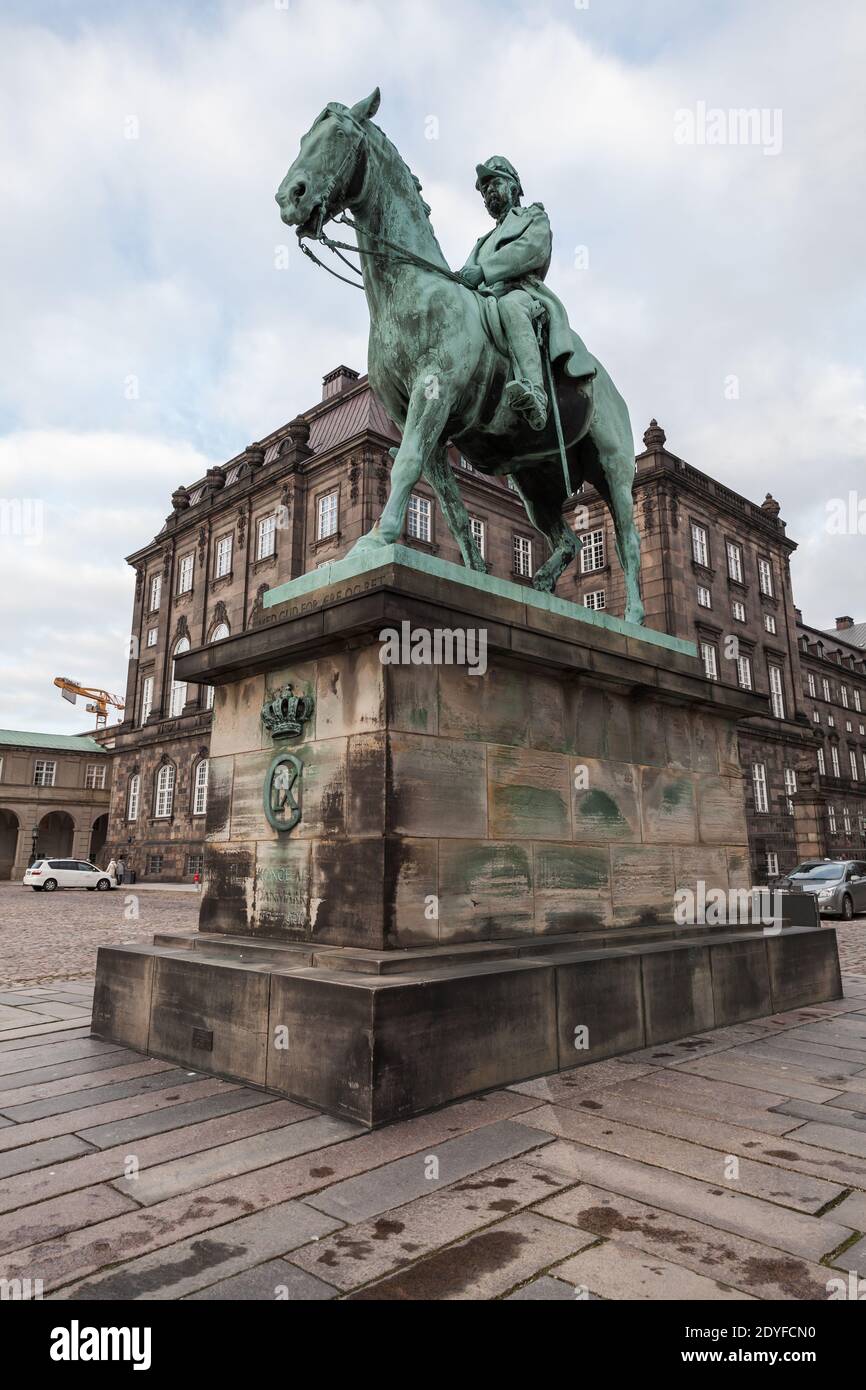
284	713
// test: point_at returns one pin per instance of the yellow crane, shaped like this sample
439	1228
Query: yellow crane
70	690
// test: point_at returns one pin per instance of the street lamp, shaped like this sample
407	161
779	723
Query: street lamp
34	842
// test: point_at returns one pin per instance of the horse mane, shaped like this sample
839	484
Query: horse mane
414	177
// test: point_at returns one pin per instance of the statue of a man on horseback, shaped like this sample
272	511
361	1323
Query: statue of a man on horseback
454	356
511	262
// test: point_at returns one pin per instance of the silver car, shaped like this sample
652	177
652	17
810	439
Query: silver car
840	887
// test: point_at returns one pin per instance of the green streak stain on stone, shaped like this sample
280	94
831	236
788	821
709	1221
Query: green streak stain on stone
419	717
573	869
600	806
533	803
673	796
487	866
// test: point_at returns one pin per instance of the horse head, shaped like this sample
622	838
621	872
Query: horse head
329	169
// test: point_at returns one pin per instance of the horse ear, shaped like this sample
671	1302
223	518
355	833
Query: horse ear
366	110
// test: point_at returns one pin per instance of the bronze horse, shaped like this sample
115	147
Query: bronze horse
436	368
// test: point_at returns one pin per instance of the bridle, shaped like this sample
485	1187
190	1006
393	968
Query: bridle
393	252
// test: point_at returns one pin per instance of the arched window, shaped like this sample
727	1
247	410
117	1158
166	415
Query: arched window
219	632
133	797
178	688
199	782
165	791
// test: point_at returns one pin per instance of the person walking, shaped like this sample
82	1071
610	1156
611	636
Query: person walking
111	868
119	871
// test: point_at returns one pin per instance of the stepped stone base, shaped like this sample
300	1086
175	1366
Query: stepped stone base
481	884
378	1036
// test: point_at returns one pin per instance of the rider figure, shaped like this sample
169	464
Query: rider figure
511	262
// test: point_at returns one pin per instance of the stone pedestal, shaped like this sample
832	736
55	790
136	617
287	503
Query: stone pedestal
482	881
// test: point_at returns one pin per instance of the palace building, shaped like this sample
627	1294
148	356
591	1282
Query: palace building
54	797
715	570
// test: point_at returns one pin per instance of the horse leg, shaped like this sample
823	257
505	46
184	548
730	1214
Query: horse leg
426	419
542	492
440	476
611	439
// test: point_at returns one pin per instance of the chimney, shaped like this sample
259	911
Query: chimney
336	382
842	624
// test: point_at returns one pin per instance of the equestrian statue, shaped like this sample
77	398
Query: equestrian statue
482	358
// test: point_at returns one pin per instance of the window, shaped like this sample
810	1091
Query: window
199	798
146	699
857	701
466	465
831	817
710	660
94	775
825	687
184	575
596	599
759	784
418	518
848	728
811	682
852	758
592	553
831	721
765	577
326	516
790	787
770	623
477	529
223	557
522	553
43	773
220	632
777	692
843	691
153	864
195	864
735	562
846	820
834	760
152	635
816	716
739	610
155	592
822	763
165	792
267	537
744	672
177	699
864	765
133	797
700	545
772	864
705	598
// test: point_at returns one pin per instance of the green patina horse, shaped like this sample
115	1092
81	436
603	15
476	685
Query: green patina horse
436	367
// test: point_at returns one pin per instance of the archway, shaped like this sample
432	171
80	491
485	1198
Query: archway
98	836
8	842
55	832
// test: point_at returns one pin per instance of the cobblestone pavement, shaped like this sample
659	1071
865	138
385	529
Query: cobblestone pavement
727	1166
50	936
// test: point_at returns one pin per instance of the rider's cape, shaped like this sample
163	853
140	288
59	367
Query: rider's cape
515	254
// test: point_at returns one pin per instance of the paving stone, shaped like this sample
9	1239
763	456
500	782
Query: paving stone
182	1175
853	1258
30	1030
596	1076
487	1264
763	1075
79	1100
670	1054
371	1249
846	1141
17	1017
53	1053
275	1279
823	1115
808	1236
737	1262
547	1289
398	1182
109	1164
26	1037
852	1211
140	1126
79	1066
46	1221
827	1070
18	1096
619	1271
151	1103
685	1091
53	1011
187	1265
792	1189
33	1156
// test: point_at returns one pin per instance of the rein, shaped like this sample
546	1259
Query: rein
394	253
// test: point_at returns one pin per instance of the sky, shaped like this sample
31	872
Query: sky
151	323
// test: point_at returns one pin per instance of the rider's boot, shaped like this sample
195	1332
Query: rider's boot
528	400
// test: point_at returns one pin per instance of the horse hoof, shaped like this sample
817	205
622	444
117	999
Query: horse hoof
635	615
372	541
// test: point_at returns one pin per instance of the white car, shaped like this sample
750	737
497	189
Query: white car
48	874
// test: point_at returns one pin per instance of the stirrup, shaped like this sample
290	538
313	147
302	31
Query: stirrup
528	400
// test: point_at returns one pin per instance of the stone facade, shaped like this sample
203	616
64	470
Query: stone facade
54	799
323	479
